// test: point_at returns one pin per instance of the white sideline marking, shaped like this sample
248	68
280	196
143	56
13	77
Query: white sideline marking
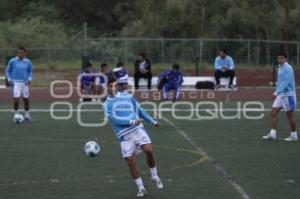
218	167
162	110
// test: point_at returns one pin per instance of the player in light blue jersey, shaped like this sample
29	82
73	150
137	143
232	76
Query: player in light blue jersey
19	76
125	115
284	98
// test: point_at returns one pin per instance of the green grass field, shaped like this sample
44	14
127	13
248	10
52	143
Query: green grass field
45	159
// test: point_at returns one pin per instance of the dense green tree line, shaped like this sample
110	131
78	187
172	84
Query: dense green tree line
49	22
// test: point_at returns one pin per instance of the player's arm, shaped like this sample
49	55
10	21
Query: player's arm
8	71
143	114
180	78
29	70
218	65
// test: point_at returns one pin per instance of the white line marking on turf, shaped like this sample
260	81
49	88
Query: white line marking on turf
218	167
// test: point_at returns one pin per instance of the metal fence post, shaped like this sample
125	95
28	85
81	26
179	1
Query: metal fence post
162	43
125	50
257	53
249	52
200	50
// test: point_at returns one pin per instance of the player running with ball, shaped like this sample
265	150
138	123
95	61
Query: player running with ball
124	113
284	98
19	76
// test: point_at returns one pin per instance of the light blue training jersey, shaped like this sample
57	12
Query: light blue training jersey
122	110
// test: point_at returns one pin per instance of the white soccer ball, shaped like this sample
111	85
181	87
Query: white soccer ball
91	148
18	118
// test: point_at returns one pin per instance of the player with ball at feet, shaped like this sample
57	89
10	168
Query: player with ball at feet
124	113
19	76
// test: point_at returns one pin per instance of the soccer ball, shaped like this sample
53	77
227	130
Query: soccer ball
91	148
18	118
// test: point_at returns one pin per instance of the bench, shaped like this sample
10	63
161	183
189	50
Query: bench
188	81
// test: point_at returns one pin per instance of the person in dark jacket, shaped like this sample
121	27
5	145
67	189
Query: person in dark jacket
142	68
172	80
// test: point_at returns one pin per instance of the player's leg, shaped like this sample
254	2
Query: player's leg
218	75
25	94
231	75
16	95
149	77
16	105
128	149
136	80
277	105
131	162
176	93
166	89
290	108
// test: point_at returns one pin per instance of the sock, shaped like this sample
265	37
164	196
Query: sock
27	114
153	172
139	183
273	132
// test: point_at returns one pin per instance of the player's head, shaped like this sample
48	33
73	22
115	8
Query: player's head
281	57
21	52
103	67
223	53
142	57
120	64
175	68
111	86
89	67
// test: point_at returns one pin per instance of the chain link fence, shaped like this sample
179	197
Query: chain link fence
246	53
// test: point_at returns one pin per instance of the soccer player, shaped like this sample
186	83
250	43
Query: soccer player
284	98
19	76
121	75
87	81
173	80
124	113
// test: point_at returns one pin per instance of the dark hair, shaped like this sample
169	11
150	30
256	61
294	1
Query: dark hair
110	80
103	65
282	54
119	64
89	64
224	51
143	55
22	48
176	66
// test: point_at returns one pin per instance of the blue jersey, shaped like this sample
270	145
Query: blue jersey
122	110
121	74
172	77
87	77
18	70
226	62
285	80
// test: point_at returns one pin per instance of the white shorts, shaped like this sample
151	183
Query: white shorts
20	89
288	103
133	142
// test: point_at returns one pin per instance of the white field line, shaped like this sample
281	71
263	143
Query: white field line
213	162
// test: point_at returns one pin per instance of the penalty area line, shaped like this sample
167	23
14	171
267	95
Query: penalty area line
213	162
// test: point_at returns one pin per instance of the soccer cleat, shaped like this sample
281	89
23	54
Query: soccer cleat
28	119
231	86
141	192
158	182
291	138
269	137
